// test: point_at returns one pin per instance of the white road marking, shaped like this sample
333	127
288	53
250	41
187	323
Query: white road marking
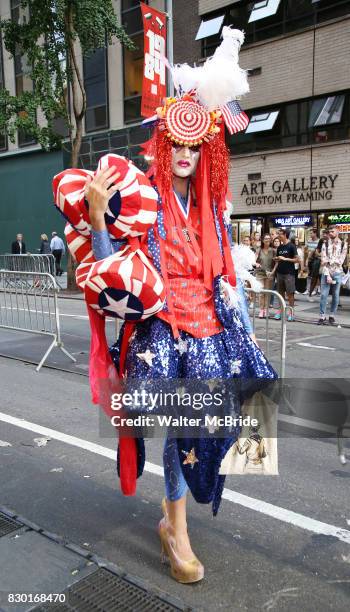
303	338
276	512
317	346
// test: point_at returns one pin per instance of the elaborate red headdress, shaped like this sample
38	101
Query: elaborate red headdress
197	119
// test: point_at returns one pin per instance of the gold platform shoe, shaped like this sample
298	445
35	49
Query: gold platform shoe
182	571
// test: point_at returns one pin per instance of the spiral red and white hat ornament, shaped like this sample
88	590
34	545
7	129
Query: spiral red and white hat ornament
188	123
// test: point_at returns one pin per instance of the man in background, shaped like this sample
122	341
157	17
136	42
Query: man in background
18	247
333	254
57	249
286	257
312	242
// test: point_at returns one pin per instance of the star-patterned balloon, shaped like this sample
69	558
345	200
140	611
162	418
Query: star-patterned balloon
191	458
125	285
147	357
120	303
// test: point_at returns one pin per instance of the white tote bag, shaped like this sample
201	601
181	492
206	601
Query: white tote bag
255	452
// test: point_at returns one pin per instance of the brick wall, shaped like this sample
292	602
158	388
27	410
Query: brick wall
206	6
186	24
332	66
287	65
287	165
286	70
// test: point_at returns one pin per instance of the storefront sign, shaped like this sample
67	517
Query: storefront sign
154	82
338	218
292	221
343	228
290	191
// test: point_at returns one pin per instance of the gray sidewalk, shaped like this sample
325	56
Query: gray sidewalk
306	310
40	565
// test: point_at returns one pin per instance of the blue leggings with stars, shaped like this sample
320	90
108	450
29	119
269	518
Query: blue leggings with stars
175	484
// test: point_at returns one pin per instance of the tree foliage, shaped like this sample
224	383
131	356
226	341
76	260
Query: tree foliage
48	42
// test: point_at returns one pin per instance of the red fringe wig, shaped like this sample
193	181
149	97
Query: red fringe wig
211	185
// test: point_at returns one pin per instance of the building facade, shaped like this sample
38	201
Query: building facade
290	167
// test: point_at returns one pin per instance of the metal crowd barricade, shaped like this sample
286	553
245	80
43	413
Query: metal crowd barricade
43	263
282	309
31	306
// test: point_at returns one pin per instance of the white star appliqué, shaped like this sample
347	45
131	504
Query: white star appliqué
120	307
181	346
235	366
147	356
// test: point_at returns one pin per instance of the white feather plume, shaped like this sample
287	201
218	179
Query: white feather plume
229	294
220	79
244	259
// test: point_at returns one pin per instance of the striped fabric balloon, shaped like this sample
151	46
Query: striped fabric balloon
81	250
131	210
68	189
79	246
125	285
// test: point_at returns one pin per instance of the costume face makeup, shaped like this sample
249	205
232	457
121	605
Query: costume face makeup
184	160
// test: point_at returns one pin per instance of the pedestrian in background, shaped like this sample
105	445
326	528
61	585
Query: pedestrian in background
44	246
286	257
314	264
57	249
274	235
255	241
275	244
301	280
333	254
18	247
264	266
300	274
312	242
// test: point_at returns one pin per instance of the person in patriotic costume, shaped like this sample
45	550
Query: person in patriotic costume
155	252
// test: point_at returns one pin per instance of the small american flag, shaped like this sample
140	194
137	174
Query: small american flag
234	117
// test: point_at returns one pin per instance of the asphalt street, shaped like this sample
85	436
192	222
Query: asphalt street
278	543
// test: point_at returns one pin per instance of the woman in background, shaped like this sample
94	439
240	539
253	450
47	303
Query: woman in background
301	267
264	266
45	245
275	243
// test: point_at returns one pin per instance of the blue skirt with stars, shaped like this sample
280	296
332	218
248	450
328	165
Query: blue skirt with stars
226	355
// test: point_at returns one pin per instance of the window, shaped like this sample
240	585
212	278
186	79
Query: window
210	27
3	140
133	61
124	142
22	81
95	82
262	122
298	123
266	8
326	111
269	18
